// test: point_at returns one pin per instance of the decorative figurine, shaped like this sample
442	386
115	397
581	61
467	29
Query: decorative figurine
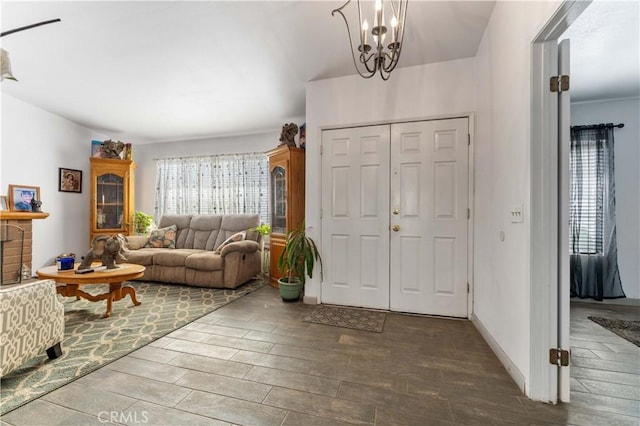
289	132
35	205
111	149
303	136
106	249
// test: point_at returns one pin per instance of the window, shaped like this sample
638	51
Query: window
218	184
587	193
593	260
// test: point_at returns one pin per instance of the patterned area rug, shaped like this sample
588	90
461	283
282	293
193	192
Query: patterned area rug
359	319
629	330
91	341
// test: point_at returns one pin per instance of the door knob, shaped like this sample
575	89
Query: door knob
396	228
396	211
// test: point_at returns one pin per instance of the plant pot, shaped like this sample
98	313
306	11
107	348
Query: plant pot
290	292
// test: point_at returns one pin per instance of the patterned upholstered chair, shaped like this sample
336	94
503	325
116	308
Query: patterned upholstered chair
31	321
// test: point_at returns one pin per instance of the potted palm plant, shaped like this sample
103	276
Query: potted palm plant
296	262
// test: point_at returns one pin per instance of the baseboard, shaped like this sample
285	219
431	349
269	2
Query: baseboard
511	368
310	300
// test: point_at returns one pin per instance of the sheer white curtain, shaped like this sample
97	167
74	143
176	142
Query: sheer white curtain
215	184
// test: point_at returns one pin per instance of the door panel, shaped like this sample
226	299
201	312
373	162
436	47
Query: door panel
355	219
564	291
429	189
394	217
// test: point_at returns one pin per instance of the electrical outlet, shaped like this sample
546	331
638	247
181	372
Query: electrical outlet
517	215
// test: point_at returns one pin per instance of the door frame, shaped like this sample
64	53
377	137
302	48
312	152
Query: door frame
545	205
470	116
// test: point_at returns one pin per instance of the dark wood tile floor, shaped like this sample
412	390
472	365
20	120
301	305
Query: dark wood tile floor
605	370
255	362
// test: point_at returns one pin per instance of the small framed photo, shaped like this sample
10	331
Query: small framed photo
69	180
20	197
4	204
96	148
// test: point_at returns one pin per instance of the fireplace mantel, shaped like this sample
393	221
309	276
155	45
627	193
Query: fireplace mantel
8	215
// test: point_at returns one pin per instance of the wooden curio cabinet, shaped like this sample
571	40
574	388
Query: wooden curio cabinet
112	196
286	183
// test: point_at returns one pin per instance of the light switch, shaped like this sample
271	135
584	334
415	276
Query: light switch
516	214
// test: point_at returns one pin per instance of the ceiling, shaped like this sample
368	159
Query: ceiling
157	71
164	71
605	51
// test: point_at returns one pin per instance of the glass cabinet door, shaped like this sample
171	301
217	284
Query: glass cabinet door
109	202
278	200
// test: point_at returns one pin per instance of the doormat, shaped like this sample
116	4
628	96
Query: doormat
629	330
358	319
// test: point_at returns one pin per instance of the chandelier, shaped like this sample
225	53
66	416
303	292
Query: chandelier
378	57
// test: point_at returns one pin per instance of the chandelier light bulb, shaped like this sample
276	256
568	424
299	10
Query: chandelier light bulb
378	15
365	29
394	29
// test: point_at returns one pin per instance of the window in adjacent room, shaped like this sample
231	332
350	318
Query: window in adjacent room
594	269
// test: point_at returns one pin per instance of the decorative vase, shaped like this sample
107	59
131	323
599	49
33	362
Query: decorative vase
290	292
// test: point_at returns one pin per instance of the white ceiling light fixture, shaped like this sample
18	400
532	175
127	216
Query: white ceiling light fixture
5	66
5	62
379	58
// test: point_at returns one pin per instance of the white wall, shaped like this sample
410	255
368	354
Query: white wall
502	178
627	158
426	91
144	156
34	144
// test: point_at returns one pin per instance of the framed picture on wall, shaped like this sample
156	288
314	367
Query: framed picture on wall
69	180
4	204
20	197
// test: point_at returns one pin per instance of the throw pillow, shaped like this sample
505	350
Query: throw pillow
238	236
135	242
163	237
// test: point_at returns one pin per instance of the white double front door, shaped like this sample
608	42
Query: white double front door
394	216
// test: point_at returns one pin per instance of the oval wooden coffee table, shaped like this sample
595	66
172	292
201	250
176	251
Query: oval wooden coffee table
113	277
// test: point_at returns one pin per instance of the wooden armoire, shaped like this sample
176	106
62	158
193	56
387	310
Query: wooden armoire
112	196
286	180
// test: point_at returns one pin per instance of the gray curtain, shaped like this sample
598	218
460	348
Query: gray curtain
592	220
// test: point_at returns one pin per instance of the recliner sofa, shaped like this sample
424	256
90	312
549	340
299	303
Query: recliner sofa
194	260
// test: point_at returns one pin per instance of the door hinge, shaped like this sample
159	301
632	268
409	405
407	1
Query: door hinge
559	83
468	286
321	149
468	213
559	357
469	139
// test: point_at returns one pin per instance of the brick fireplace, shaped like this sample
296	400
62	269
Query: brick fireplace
15	252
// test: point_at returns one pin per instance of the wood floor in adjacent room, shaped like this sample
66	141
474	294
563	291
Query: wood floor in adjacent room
255	362
605	368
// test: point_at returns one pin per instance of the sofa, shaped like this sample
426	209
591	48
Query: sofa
204	250
31	322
